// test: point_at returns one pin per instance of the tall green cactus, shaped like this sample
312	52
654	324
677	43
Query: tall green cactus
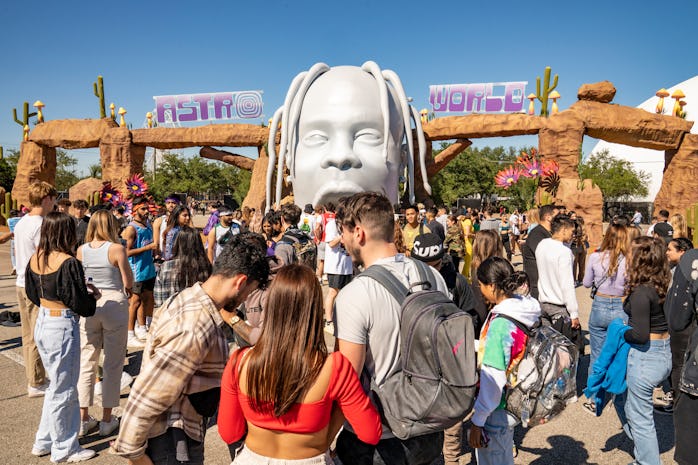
98	89
25	120
1	154
94	199
547	88
8	205
692	221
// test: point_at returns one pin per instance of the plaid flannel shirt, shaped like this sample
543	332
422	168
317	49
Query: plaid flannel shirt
186	353
166	282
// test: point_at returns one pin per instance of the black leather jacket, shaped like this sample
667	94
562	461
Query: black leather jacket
681	309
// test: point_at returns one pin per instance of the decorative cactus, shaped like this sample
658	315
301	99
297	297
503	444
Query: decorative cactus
98	89
547	88
94	198
25	120
692	221
9	204
1	154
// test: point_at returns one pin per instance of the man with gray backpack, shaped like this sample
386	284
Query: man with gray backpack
412	347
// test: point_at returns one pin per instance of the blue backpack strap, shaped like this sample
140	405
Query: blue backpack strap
386	279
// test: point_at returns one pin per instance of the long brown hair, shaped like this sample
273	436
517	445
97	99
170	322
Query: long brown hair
678	223
291	350
487	244
57	235
615	244
648	266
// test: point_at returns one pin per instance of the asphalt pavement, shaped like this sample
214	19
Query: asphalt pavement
575	437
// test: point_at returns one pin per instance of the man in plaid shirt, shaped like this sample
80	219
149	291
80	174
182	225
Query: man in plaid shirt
164	420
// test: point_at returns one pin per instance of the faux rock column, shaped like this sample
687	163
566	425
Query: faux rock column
120	157
679	189
36	163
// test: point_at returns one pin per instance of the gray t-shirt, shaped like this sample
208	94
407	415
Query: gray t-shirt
366	313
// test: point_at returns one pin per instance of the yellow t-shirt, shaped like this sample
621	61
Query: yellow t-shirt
409	234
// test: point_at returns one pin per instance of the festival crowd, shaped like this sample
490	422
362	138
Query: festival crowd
232	321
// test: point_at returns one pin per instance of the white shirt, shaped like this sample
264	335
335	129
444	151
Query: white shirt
27	234
555	280
310	219
337	261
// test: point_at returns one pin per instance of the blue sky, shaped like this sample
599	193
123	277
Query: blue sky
53	51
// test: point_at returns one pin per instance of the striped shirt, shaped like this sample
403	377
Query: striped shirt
186	353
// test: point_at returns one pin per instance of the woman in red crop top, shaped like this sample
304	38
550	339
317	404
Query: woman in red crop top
286	393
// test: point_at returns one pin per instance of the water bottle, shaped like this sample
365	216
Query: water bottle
524	416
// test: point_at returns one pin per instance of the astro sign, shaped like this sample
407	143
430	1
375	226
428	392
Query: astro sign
493	97
208	107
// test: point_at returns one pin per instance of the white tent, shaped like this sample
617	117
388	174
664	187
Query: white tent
652	161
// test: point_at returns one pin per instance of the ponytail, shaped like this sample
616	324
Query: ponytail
498	271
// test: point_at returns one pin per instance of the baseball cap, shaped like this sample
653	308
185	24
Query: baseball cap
427	248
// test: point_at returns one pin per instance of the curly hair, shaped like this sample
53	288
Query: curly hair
648	266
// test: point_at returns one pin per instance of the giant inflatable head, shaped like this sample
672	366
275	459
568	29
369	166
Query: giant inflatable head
345	130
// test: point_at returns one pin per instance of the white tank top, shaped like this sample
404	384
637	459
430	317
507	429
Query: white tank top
98	267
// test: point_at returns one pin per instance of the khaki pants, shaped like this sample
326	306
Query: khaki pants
453	444
107	330
28	312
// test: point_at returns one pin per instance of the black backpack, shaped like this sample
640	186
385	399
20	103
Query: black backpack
435	387
304	249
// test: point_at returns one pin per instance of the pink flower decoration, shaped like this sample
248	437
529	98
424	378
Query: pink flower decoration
136	185
549	167
531	168
110	194
507	177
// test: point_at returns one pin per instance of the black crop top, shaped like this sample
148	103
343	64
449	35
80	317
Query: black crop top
66	285
646	315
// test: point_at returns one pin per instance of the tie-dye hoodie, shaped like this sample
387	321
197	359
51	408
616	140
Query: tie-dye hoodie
502	346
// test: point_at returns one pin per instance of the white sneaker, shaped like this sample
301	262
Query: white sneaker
86	426
141	332
126	380
40	452
98	388
134	342
108	427
39	391
79	456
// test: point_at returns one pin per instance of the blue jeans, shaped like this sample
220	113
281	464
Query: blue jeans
648	365
500	430
58	341
603	311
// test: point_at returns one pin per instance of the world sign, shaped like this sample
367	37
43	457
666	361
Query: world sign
493	97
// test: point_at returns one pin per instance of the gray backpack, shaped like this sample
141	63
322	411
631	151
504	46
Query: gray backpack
435	387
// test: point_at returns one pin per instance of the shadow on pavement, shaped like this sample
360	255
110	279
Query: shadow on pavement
563	449
9	344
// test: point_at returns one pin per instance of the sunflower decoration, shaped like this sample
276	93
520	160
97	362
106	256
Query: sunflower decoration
136	185
109	194
507	177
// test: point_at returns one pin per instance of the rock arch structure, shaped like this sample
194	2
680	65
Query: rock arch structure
560	136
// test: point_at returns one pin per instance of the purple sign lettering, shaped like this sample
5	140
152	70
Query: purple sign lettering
495	97
206	107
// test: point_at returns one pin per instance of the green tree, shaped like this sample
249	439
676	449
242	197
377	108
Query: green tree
95	171
65	170
8	169
470	173
616	178
197	176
